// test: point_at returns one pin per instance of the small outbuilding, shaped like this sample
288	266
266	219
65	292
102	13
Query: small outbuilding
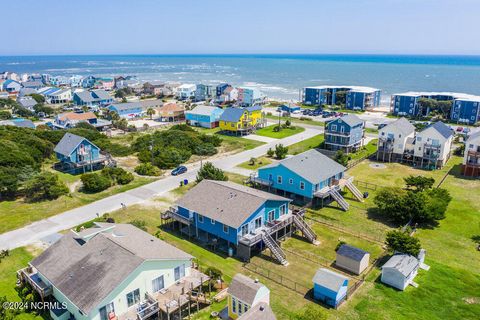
329	287
400	270
244	294
352	259
290	108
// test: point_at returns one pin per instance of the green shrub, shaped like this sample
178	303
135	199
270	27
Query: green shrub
210	172
117	175
147	169
94	182
45	186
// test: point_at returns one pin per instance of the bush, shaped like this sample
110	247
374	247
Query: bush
45	186
117	175
270	152
341	158
5	115
205	149
140	224
170	157
209	171
94	182
280	151
399	241
147	169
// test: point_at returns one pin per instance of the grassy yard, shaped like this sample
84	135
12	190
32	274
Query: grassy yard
260	162
283	133
366	150
231	143
18	213
297	120
307	144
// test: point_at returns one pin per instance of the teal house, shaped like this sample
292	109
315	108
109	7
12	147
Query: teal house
329	287
234	218
345	133
204	116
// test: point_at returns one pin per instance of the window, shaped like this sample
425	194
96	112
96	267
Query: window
283	209
225	228
258	222
240	308
333	127
245	307
302	185
244	229
200	218
133	297
270	177
179	272
234	305
342	129
290	181
419	139
106	310
271	215
158	284
279	179
212	221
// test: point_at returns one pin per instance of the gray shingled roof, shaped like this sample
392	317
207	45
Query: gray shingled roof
311	165
442	128
403	263
473	136
260	311
351	120
226	202
68	142
86	272
126	106
231	114
403	125
27	102
329	279
351	252
202	110
102	94
85	96
244	288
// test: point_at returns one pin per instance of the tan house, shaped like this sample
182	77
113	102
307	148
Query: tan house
352	259
171	112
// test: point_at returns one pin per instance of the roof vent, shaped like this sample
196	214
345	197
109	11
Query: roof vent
256	280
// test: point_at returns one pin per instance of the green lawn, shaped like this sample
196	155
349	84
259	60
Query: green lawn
260	162
307	144
231	143
366	150
297	120
18	213
283	133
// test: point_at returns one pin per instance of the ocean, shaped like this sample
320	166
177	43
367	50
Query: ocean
278	76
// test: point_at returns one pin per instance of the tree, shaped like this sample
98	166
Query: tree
45	186
147	169
436	205
43	108
140	224
288	123
151	112
400	241
170	157
270	152
94	182
117	175
444	107
210	172
280	151
418	183
426	105
38	98
23	112
5	115
252	161
341	158
121	124
389	202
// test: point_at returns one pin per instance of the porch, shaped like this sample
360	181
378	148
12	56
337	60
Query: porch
30	275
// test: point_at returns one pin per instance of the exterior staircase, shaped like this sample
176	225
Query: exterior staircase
349	184
338	197
274	248
306	229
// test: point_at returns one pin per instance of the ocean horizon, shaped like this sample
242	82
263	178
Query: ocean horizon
277	75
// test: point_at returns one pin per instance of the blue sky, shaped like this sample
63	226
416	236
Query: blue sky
261	26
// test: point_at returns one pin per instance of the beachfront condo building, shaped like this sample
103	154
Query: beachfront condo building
353	97
249	96
465	108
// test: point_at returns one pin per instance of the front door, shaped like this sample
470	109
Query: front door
244	229
271	215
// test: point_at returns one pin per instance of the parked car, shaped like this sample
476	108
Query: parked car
459	129
179	170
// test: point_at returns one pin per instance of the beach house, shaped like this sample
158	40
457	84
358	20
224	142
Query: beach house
352	259
353	97
113	271
432	146
219	89
307	177
71	119
27	102
58	96
248	96
186	91
171	112
242	120
329	287
130	110
236	219
204	116
204	92
92	98
244	294
104	84
471	157
465	108
393	138
11	86
345	133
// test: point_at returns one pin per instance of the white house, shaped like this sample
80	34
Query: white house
392	139
59	96
245	293
112	271
352	259
471	157
432	145
186	91
400	270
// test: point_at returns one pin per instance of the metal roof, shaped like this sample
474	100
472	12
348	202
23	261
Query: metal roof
87	271
351	252
226	202
232	114
311	165
402	124
244	288
403	263
202	110
329	279
442	128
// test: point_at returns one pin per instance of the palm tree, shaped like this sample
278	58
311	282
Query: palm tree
151	113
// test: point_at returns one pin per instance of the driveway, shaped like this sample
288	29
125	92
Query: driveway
69	219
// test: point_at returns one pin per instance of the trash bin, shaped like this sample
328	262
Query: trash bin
365	195
185	182
230	252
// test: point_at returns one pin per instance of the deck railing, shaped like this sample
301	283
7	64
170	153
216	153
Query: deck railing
271	228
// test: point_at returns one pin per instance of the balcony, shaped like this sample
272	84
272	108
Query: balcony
335	184
255	237
173	213
30	275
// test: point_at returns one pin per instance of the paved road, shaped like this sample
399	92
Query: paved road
44	228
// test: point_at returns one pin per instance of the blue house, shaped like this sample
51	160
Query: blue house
77	154
204	92
11	86
329	287
466	110
345	133
235	218
204	116
220	89
290	108
356	97
307	177
92	98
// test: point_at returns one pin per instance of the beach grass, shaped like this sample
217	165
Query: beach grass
259	162
283	133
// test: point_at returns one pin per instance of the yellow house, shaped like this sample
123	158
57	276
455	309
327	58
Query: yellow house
240	120
247	296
